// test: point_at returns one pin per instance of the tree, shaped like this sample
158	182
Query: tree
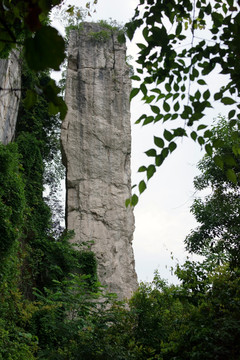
172	71
218	213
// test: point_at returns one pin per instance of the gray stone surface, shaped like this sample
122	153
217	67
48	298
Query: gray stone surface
10	85
96	146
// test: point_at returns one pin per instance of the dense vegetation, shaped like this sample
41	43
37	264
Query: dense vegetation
51	304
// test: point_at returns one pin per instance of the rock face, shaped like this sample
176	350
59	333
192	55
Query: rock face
10	92
96	145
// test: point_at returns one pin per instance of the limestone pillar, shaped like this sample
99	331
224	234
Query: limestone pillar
96	146
10	92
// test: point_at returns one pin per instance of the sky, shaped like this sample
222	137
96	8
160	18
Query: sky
162	216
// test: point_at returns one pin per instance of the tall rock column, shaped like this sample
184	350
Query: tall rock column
10	92
96	144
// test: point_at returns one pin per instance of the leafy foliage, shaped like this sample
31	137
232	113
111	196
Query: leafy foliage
218	213
25	25
12	199
172	71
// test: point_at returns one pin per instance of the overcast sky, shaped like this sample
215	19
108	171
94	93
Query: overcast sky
162	217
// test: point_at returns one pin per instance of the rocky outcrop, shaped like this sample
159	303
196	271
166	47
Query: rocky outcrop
10	92
96	144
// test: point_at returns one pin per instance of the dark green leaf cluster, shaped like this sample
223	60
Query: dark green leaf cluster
25	25
172	72
19	20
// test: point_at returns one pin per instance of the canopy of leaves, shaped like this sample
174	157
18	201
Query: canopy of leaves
175	55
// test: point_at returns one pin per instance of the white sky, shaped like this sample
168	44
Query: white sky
162	217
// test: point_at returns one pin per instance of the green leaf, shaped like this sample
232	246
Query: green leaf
142	186
218	96
143	89
148	120
149	99
187	109
166	106
135	77
172	146
167	135
151	152
231	114
174	116
175	87
159	160
206	95
201	127
208	149
218	161
232	122
142	169
158	142
179	29
45	50
168	87
231	175
201	140
228	101
166	117
193	135
155	109
197	95
158	91
179	132
208	134
141	46
131	29
133	93
150	171
134	200
165	153
145	33
140	119
127	202
201	82
176	106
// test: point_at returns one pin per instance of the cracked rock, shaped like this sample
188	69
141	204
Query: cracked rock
10	92
96	146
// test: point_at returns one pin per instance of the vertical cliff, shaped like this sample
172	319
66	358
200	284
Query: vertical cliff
10	92
96	143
